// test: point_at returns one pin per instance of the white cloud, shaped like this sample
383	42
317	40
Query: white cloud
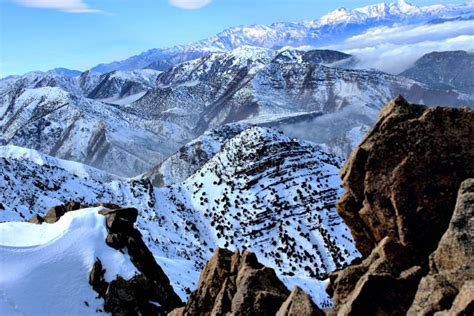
71	6
190	4
394	49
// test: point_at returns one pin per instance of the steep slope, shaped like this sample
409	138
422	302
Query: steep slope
445	70
261	191
334	27
68	126
119	84
192	156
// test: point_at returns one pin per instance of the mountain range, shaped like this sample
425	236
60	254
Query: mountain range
235	141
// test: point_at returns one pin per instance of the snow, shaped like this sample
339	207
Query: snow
79	169
45	268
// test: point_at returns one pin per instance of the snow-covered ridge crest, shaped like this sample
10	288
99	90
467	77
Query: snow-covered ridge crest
79	169
397	9
45	268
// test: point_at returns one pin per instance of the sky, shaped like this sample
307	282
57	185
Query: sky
79	34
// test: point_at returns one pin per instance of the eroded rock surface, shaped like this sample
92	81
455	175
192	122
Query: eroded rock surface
148	292
236	283
403	178
401	187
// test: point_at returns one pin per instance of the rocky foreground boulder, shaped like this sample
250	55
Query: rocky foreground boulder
234	283
400	203
149	292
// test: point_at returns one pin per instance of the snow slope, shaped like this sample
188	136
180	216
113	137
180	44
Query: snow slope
261	190
45	268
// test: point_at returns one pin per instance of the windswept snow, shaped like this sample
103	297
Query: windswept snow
45	268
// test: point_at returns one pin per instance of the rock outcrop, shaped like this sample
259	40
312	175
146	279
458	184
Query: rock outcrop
236	283
401	187
403	178
449	284
148	292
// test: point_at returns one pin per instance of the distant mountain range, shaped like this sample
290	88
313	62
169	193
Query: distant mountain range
126	122
332	28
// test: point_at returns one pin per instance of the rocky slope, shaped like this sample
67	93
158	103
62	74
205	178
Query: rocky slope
117	85
444	70
238	284
401	186
72	127
262	190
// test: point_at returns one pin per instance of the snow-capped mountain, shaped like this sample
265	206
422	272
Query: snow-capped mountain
332	28
72	127
445	70
261	85
300	92
262	191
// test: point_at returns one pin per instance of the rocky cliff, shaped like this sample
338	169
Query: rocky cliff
401	187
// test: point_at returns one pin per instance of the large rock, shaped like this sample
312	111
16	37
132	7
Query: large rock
401	187
237	284
299	303
56	212
402	180
452	264
147	289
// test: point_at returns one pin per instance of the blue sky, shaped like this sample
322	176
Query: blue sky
79	34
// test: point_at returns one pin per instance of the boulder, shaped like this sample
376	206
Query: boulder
299	304
36	219
236	283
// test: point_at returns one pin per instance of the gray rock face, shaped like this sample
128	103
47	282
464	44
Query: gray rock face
445	70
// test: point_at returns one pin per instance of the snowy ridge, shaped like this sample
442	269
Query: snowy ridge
45	268
78	169
261	190
72	127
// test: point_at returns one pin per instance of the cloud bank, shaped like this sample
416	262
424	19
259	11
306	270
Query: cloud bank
394	49
71	6
190	4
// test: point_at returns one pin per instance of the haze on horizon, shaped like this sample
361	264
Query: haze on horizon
79	34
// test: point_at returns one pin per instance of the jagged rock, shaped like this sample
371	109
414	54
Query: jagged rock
111	206
121	219
96	278
238	284
299	304
401	184
452	264
128	297
55	213
401	181
36	219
